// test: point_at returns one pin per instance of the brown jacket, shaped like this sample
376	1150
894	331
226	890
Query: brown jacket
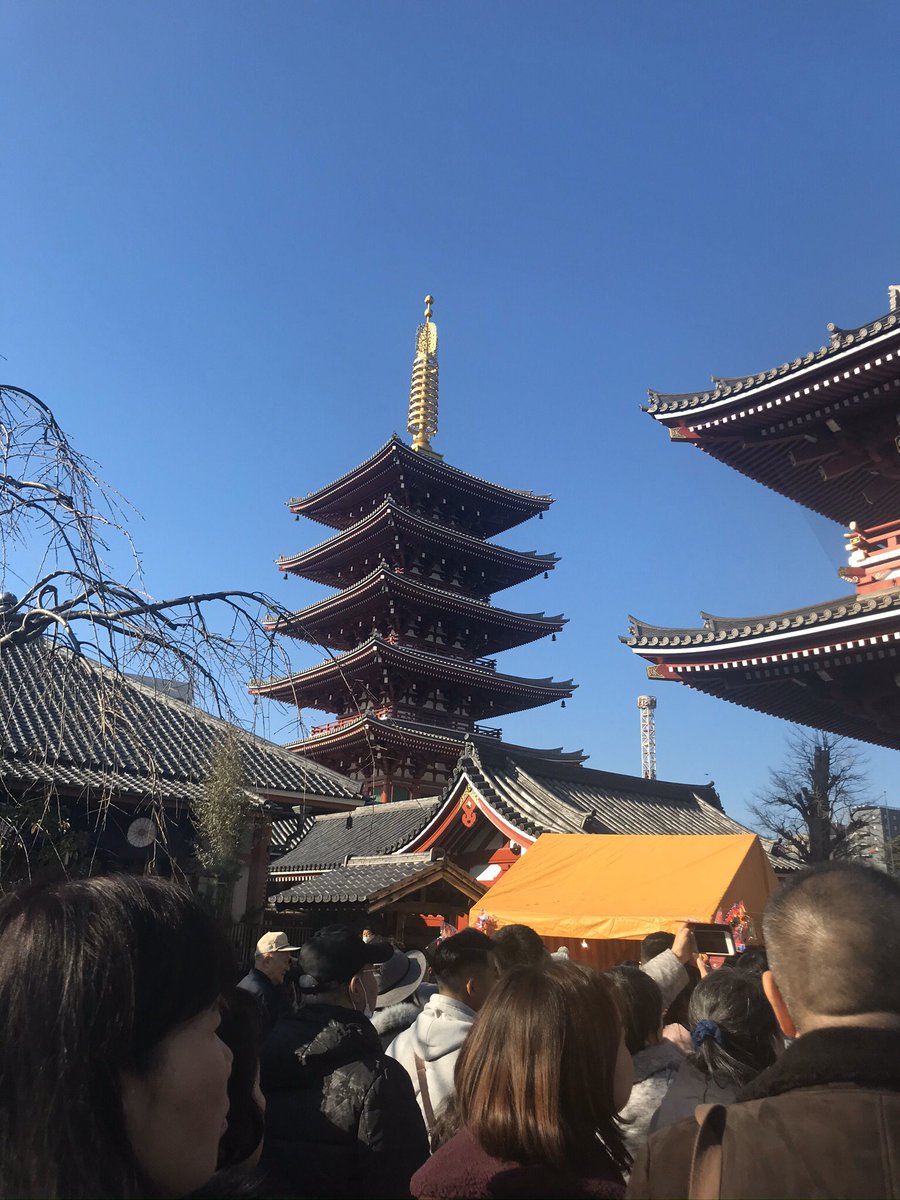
824	1121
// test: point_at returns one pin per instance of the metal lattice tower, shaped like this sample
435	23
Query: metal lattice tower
647	707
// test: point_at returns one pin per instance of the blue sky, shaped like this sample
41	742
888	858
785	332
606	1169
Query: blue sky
219	221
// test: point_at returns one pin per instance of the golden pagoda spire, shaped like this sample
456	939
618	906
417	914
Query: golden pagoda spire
423	394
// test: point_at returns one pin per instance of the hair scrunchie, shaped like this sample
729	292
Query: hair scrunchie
706	1029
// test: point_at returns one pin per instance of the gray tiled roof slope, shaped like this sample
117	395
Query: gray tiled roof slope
375	829
67	721
839	340
561	798
727	629
353	884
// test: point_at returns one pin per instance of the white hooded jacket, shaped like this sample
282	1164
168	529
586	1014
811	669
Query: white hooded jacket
436	1036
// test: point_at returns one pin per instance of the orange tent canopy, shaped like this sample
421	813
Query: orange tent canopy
584	885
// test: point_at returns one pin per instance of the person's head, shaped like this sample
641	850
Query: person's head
464	967
640	1005
340	968
753	959
115	1081
400	977
242	1144
833	940
518	945
273	956
545	1068
733	1028
654	944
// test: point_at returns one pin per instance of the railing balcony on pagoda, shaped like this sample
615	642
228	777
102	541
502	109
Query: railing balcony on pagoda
874	557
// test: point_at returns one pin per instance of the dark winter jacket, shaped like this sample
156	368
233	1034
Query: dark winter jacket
461	1170
823	1121
341	1117
273	1001
394	1019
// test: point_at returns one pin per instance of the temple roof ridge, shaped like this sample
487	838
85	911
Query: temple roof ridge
726	386
718	629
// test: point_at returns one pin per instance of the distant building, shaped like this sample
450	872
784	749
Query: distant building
879	840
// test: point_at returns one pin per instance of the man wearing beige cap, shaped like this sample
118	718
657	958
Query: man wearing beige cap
265	979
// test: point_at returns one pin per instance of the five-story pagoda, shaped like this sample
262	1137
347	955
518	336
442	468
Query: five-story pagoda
411	625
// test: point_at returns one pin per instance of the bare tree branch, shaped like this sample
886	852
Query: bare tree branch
811	806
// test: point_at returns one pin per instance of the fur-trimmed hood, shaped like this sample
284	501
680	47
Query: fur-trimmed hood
394	1019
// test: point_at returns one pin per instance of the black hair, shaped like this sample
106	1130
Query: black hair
735	1001
655	943
519	945
94	973
753	959
454	957
240	1030
640	1005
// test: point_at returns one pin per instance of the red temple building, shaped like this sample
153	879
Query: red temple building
410	626
823	430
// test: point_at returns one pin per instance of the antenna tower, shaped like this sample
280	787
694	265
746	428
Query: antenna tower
647	707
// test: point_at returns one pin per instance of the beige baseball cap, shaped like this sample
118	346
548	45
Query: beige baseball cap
274	943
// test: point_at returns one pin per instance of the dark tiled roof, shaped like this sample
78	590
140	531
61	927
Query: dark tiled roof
839	341
374	829
288	832
545	796
357	882
67	721
716	631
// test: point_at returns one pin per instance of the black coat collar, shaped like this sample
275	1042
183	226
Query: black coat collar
866	1057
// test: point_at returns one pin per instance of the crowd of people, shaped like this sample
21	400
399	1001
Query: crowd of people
134	1065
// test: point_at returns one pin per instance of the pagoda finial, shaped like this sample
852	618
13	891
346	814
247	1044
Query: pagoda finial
423	394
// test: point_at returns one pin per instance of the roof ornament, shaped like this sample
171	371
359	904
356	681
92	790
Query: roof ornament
894	297
423	393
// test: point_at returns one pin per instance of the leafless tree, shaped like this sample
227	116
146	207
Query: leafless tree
811	806
85	582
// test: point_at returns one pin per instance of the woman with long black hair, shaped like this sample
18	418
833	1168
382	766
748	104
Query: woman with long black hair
113	1081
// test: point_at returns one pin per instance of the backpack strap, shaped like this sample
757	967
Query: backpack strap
706	1161
424	1094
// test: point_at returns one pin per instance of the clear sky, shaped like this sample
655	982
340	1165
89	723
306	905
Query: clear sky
219	220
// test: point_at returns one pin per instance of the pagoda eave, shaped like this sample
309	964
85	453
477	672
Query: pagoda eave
358	550
376	601
394	468
488	693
